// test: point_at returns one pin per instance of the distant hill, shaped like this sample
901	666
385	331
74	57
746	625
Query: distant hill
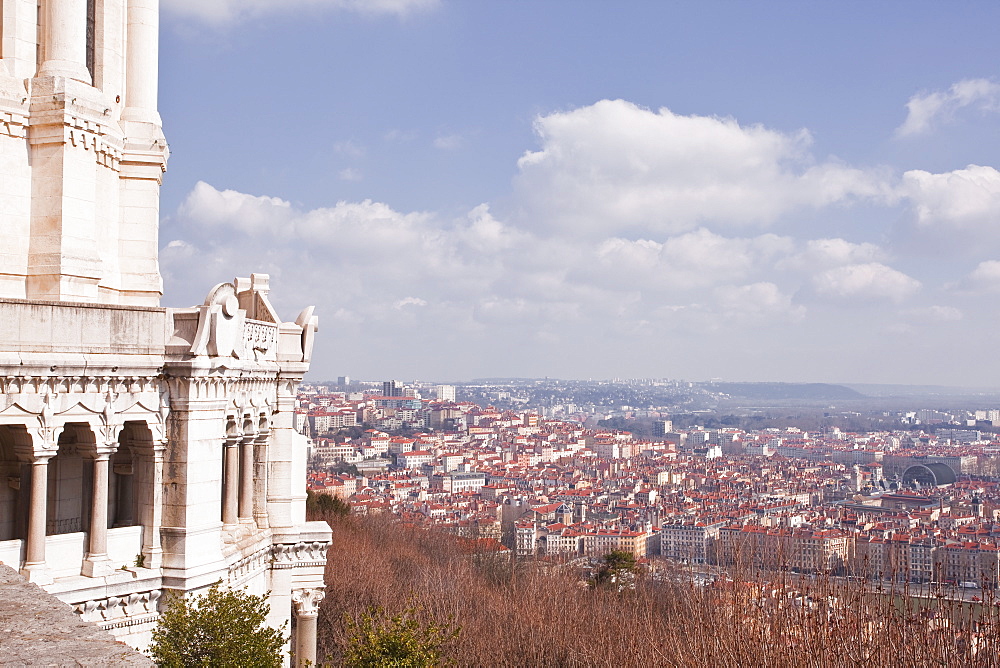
505	380
929	391
785	391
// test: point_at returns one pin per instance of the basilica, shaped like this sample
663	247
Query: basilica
143	449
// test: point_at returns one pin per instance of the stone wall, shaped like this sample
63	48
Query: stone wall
39	629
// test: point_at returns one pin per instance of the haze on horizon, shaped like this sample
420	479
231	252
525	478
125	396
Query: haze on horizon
786	191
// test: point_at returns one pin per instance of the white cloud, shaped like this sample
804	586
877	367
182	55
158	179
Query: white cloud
473	271
207	206
220	12
966	198
448	142
827	253
688	261
409	301
934	314
984	278
350	148
926	109
485	234
614	168
868	281
349	174
757	302
498	296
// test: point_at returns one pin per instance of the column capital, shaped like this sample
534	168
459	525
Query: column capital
307	601
42	456
45	437
110	427
233	431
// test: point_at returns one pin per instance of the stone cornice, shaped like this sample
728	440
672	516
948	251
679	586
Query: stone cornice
13	123
65	112
92	385
300	555
95	305
127	609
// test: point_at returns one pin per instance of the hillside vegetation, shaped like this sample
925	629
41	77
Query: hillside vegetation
538	614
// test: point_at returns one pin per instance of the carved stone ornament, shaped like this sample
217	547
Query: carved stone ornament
307	601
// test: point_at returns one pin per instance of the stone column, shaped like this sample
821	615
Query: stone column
152	552
97	563
246	480
306	613
260	482
230	484
143	161
65	40
141	74
34	562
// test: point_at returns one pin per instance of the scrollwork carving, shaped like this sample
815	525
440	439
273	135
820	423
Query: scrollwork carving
307	601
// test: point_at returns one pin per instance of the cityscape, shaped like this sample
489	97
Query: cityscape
915	500
706	294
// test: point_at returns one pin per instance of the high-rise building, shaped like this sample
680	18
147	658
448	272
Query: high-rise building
393	388
145	449
662	427
445	392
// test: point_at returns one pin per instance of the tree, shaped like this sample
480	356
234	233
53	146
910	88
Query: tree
325	507
344	467
617	571
217	628
398	642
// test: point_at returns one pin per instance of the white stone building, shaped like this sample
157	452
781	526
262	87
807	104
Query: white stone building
144	449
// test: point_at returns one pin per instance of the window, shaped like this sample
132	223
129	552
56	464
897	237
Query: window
91	33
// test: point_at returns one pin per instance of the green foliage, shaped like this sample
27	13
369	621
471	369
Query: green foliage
344	467
325	507
620	561
217	628
398	642
617	570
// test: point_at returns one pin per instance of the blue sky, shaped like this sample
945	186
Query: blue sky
754	191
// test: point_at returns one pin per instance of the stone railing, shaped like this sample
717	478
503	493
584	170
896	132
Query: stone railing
68	525
294	555
248	566
118	611
260	340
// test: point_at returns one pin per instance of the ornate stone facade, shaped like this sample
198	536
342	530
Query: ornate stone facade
144	449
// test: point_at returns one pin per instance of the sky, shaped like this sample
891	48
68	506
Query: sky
781	191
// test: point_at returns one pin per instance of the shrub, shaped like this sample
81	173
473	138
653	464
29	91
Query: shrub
541	613
218	628
325	507
617	571
399	642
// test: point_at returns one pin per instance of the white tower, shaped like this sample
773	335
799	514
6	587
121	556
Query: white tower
144	449
81	149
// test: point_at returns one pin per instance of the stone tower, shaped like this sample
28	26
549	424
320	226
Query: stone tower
142	449
82	151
